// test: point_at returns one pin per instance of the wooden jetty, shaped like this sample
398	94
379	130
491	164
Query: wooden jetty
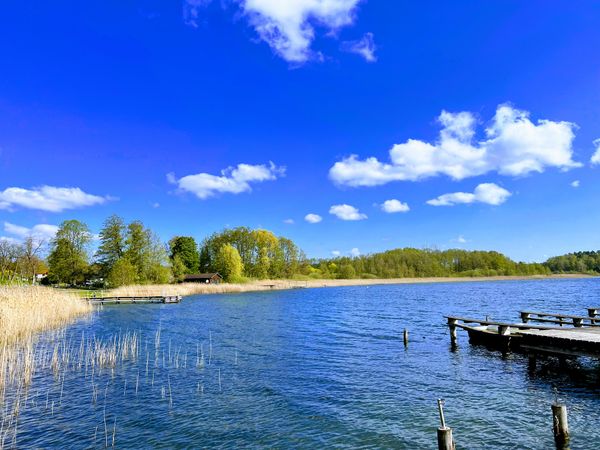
135	300
574	336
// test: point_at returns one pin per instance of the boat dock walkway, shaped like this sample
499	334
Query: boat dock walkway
574	336
135	300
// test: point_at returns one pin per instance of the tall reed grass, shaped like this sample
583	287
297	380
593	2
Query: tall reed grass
28	310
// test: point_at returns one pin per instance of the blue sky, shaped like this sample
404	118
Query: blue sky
472	123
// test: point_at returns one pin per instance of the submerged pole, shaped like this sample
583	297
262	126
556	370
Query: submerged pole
452	326
444	433
560	424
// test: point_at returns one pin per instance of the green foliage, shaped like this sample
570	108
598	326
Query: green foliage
346	271
263	254
147	254
112	243
185	249
579	262
178	268
228	263
122	273
411	263
68	259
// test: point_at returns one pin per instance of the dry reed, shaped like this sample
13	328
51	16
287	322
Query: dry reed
26	311
185	289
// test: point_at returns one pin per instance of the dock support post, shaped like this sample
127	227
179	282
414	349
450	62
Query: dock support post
532	362
444	433
560	425
406	337
452	326
524	317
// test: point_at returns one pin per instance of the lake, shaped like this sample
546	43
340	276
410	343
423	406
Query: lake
313	368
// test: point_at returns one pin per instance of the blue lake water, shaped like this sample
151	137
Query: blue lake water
318	368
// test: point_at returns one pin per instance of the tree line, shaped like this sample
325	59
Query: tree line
131	253
578	262
415	263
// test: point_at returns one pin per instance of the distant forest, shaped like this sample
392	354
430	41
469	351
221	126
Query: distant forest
131	253
412	262
579	262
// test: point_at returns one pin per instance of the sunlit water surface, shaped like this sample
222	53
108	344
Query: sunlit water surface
317	368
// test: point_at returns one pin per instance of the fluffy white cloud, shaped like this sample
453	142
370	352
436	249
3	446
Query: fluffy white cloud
313	218
394	206
575	184
461	239
364	47
514	146
48	198
489	193
355	252
232	180
336	253
596	156
346	212
288	26
42	231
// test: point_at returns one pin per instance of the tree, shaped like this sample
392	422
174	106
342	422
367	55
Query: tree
178	268
112	243
346	271
186	250
147	254
30	257
229	264
137	244
122	273
68	259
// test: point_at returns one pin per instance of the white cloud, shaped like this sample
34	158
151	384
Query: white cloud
461	239
156	205
232	180
575	184
346	212
514	146
289	221
488	193
394	206
48	198
596	156
42	231
288	26
364	47
355	252
313	218
336	253
191	11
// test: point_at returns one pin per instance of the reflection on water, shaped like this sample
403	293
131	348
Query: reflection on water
311	368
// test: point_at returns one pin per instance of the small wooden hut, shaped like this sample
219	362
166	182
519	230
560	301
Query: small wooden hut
206	278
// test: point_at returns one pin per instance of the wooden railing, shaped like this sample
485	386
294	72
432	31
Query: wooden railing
560	319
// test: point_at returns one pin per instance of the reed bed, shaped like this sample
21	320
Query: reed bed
266	285
28	310
25	312
200	288
98	375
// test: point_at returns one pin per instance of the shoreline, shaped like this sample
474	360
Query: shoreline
187	289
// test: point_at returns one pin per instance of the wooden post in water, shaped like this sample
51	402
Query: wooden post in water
560	424
524	317
452	326
444	433
406	337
